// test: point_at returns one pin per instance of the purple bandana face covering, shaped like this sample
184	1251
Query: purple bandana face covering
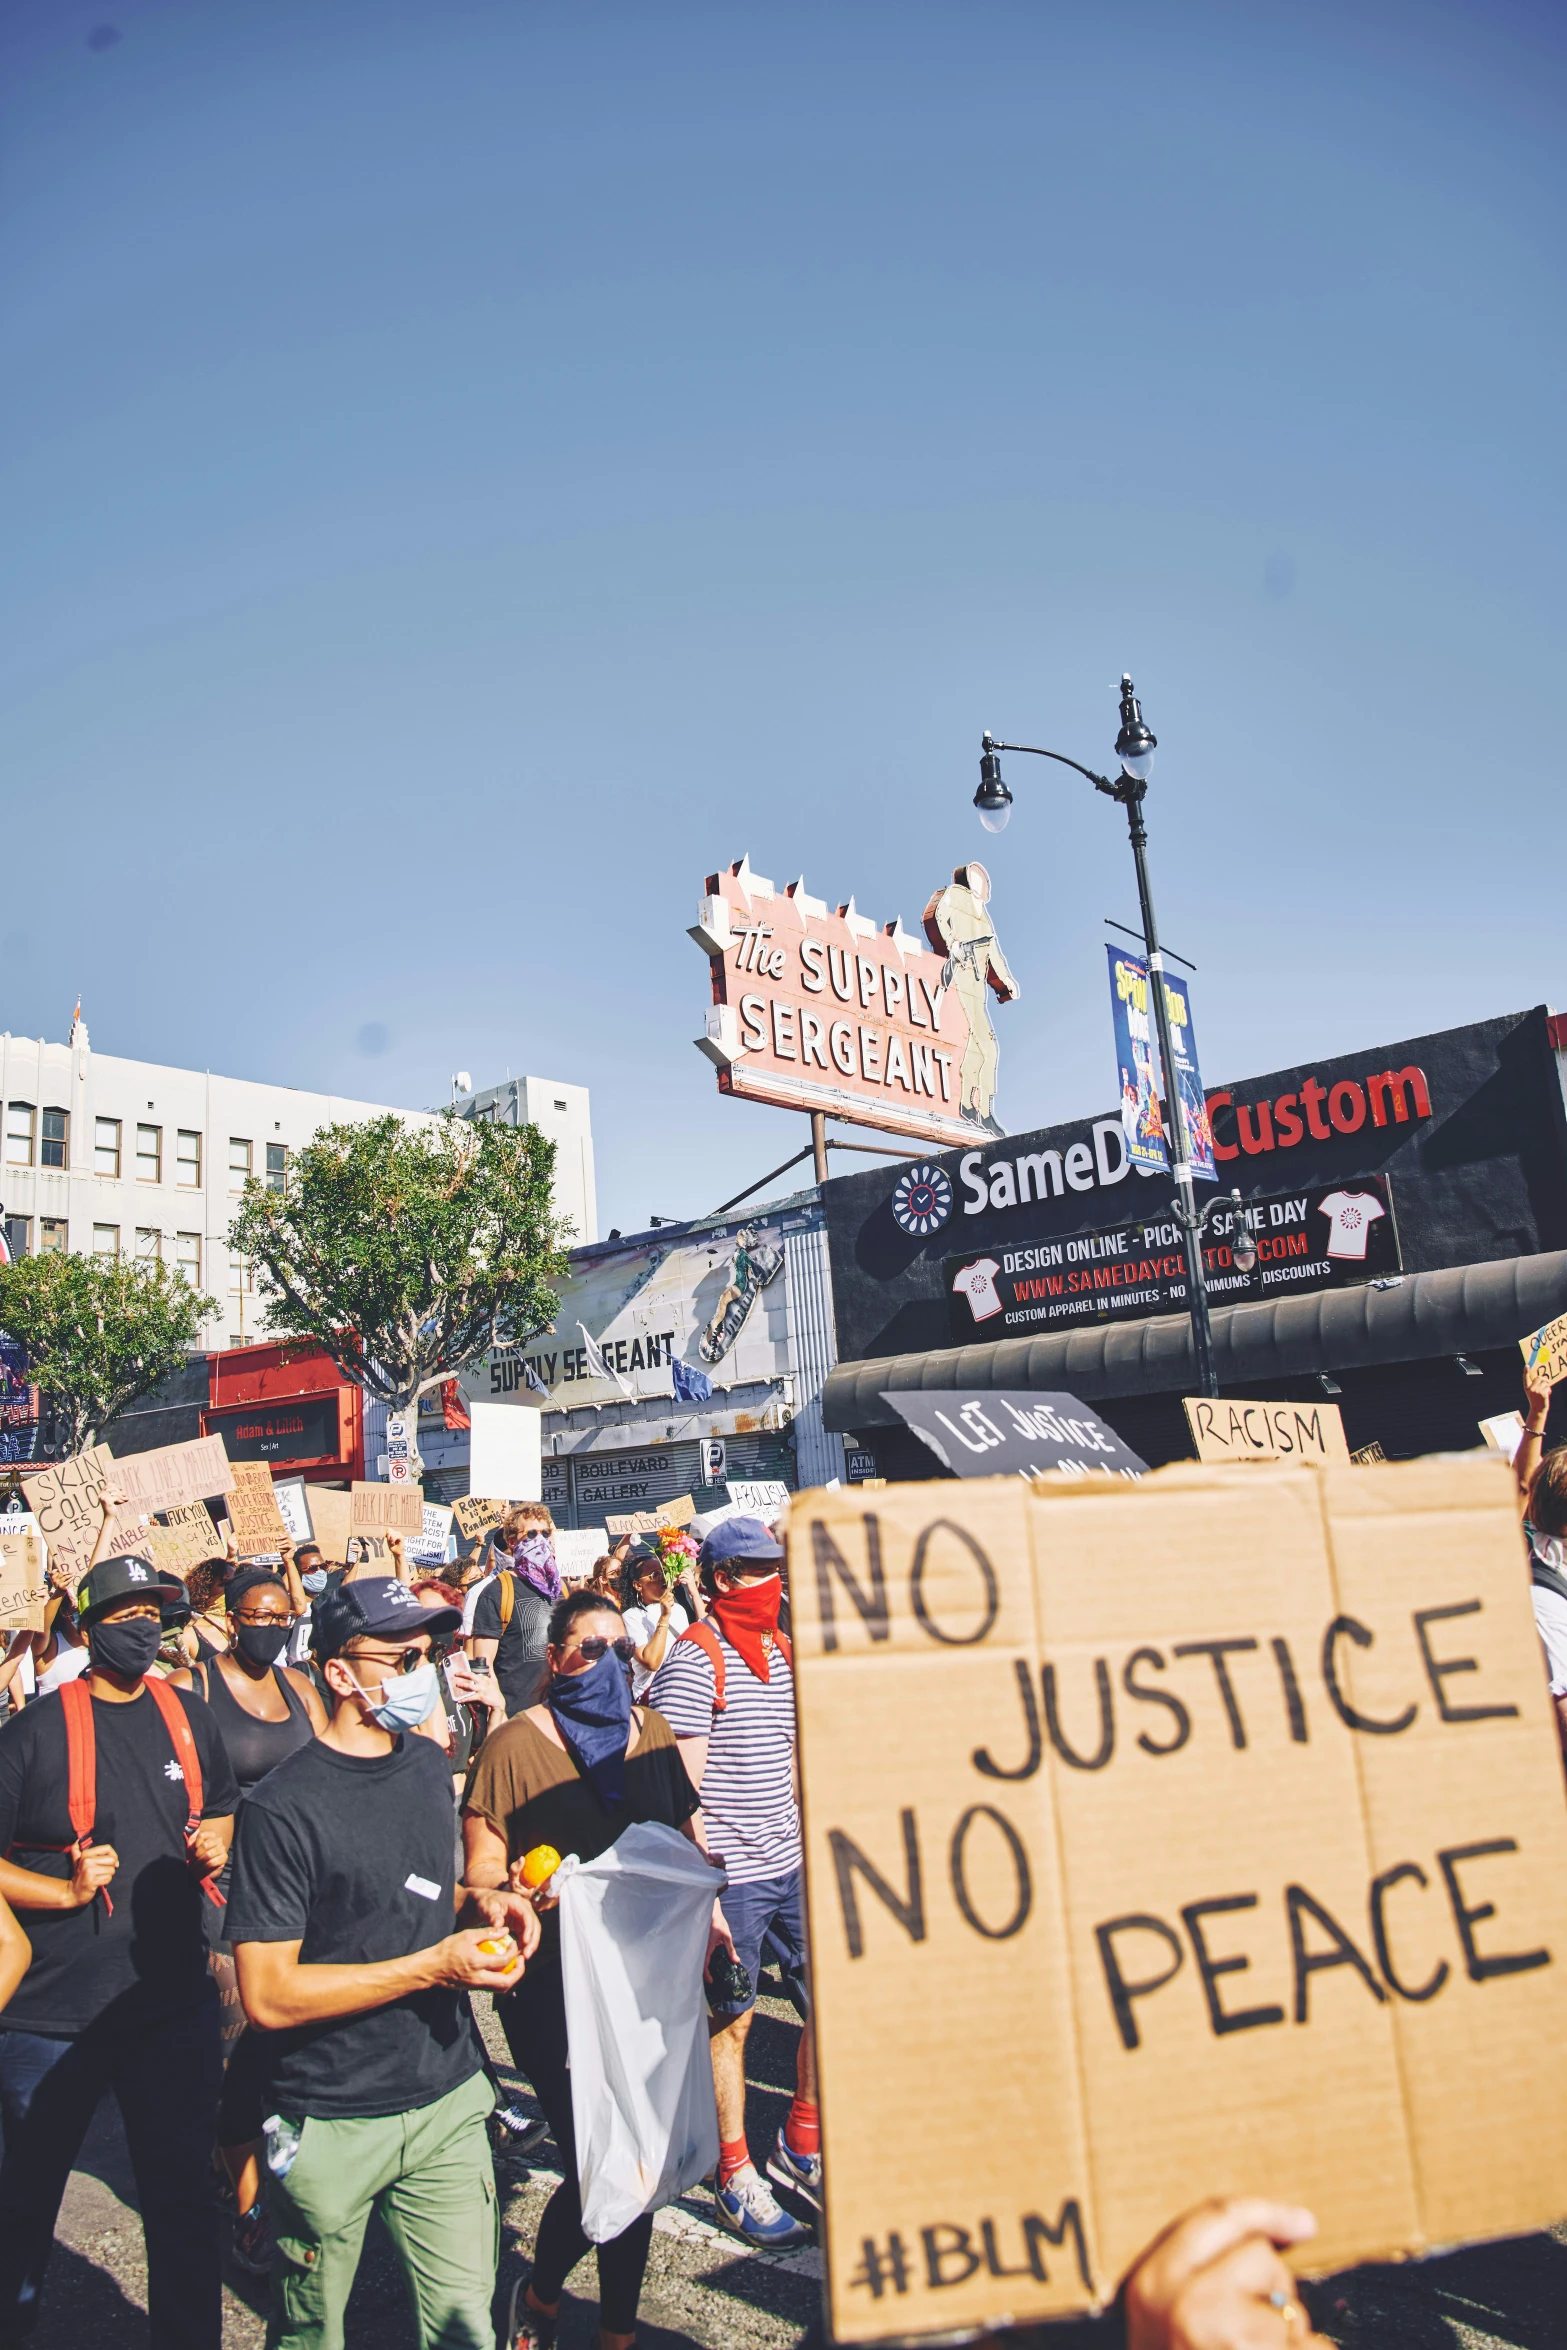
534	1560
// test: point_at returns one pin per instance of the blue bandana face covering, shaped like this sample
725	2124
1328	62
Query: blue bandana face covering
592	1712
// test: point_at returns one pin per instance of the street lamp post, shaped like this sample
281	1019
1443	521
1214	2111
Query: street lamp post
1135	746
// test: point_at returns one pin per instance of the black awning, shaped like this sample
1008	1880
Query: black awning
1469	1308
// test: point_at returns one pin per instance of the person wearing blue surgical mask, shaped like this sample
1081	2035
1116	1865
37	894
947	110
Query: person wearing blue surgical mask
378	2088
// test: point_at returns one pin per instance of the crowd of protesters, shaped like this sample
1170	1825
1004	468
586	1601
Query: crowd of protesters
266	1832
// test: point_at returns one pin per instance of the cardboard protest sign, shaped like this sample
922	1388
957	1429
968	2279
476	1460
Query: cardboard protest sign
1242	1430
187	1539
172	1475
667	1513
1210	1831
24	1592
984	1432
475	1515
428	1548
258	1523
387	1509
1546	1348
331	1514
1503	1433
65	1498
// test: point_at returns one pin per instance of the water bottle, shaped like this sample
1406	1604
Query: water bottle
282	2137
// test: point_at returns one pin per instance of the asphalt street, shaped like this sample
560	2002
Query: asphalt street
706	2292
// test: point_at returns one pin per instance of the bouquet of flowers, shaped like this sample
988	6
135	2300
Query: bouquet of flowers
676	1553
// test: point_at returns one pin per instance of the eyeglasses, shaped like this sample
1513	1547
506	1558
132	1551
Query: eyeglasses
595	1646
271	1618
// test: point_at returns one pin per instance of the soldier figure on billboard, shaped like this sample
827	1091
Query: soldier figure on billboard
753	1268
958	918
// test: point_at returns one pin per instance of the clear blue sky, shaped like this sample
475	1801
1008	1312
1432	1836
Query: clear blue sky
471	467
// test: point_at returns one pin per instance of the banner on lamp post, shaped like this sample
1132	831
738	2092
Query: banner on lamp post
1139	1067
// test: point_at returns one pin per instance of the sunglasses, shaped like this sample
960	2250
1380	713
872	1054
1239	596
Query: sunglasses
405	1661
596	1646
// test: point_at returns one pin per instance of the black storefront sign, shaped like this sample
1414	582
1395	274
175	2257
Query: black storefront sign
1321	1237
303	1429
991	1432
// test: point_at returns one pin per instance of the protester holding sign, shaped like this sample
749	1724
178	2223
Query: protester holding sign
727	1689
117	1799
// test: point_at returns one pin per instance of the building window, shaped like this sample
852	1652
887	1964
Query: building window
52	1235
239	1163
106	1146
56	1139
106	1241
149	1246
187	1257
241	1283
149	1154
187	1160
19	1235
277	1165
20	1121
560	1105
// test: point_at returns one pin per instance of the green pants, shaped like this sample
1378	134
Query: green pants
429	2175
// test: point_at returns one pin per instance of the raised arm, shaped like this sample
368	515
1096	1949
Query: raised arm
1531	1448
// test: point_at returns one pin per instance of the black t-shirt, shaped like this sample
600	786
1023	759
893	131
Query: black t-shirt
148	1958
520	1665
354	1858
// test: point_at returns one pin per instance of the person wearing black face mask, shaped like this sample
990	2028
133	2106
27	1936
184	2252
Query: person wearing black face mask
116	1804
264	1710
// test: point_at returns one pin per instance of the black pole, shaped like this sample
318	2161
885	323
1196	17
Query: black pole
1130	791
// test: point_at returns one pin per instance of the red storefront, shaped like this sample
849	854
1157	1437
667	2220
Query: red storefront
289	1406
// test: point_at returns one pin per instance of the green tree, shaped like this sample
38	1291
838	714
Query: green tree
407	1252
98	1333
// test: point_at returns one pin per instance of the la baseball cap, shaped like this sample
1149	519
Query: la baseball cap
125	1578
733	1540
377	1607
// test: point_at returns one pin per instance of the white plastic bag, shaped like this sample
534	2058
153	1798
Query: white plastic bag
633	1941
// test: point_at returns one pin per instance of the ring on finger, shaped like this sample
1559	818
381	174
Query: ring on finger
1289	2309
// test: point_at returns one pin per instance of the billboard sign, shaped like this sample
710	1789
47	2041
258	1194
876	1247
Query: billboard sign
819	1008
1137	1058
1326	1237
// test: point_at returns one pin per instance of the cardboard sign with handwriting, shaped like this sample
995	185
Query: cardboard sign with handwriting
24	1594
257	1521
1210	1831
387	1509
1546	1349
475	1515
1247	1431
332	1514
172	1475
64	1498
186	1541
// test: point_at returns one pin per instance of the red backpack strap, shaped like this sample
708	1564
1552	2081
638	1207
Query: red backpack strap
706	1640
177	1722
81	1769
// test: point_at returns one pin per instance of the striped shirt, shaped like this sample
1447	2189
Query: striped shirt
748	1805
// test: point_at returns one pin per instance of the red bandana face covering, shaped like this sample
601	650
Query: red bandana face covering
744	1614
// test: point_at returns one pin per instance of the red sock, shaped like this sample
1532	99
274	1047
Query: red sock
733	2154
803	2127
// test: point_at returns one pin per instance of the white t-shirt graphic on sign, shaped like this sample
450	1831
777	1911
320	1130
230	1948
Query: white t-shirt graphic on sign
978	1284
1352	1214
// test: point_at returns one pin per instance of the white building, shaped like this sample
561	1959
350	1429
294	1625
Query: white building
131	1159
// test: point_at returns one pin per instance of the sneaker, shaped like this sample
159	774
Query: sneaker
514	2133
747	2207
800	2173
253	2241
527	2329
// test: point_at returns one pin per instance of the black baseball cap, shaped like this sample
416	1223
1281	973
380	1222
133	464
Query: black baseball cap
125	1578
376	1607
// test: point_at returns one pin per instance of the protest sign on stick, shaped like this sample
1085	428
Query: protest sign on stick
65	1499
23	1592
1210	1830
258	1523
1247	1431
387	1509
